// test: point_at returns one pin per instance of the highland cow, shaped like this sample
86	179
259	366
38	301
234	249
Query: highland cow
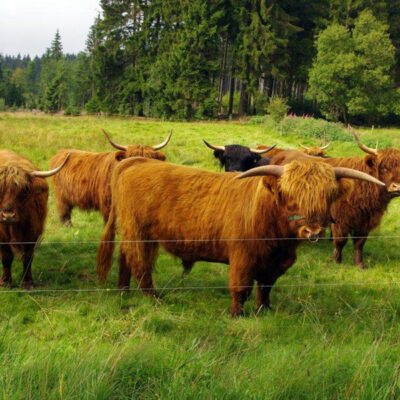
85	182
235	157
362	209
23	208
241	158
253	224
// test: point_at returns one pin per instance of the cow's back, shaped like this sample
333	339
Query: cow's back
192	209
84	181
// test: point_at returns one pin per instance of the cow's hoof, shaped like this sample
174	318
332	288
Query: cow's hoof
28	285
5	283
337	257
236	312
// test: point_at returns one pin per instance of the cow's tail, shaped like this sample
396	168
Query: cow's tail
106	248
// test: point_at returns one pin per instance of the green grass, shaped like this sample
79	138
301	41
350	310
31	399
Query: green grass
333	331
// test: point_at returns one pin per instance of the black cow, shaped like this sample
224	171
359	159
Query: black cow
235	157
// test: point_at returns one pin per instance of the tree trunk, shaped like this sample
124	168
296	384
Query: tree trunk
231	95
223	68
244	99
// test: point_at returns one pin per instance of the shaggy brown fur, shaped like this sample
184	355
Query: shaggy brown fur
312	151
85	180
360	211
202	211
24	197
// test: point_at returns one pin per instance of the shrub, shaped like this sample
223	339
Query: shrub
207	109
261	103
312	128
277	108
305	127
72	110
93	105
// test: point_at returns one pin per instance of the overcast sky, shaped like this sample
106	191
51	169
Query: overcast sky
28	26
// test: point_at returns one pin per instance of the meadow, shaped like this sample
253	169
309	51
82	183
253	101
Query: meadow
333	331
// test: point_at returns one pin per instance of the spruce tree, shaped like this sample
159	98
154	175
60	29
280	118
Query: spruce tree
56	47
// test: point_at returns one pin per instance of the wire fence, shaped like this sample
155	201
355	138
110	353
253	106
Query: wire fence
97	241
193	288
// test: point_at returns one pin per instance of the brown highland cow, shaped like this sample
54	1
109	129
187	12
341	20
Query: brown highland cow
85	182
311	151
361	210
199	215
23	208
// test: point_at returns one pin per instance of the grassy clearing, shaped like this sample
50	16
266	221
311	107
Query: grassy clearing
335	335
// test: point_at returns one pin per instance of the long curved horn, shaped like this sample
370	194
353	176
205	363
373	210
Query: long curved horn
341	172
363	147
274	170
324	147
117	146
304	147
262	151
211	146
164	143
46	174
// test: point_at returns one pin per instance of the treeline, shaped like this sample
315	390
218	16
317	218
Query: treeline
207	58
52	82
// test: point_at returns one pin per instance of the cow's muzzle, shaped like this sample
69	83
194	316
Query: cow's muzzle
8	216
312	235
394	189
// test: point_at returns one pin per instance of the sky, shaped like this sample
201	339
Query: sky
29	26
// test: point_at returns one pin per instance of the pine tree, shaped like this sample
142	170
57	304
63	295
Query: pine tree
56	47
53	95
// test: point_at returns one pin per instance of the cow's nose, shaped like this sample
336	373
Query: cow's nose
8	215
394	187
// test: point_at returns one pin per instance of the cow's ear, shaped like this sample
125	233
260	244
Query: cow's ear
370	160
220	155
160	156
39	186
120	155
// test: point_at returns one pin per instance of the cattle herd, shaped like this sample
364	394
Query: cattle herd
252	217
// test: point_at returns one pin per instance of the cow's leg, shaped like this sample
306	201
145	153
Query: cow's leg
7	257
105	209
339	241
187	267
268	278
359	240
27	259
124	275
64	211
141	258
240	285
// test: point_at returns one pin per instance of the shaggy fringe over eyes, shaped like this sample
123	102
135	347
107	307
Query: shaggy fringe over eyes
311	185
13	178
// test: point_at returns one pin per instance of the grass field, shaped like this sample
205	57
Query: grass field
333	331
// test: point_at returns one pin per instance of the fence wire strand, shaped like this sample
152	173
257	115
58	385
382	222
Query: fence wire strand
183	288
96	241
192	288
